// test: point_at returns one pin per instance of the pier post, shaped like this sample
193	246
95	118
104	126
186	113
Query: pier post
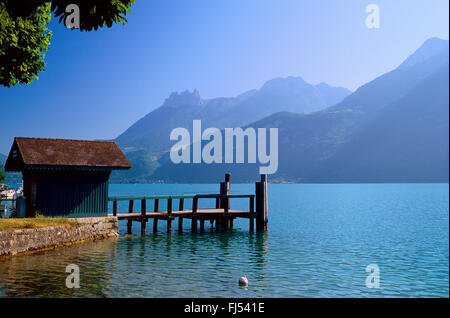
225	189
194	211
115	208
129	226
225	223
143	207
130	221
219	223
261	204
212	220
194	224
195	205
143	226
155	220
143	218
180	225
130	206
169	206
180	219
266	201
169	219
252	210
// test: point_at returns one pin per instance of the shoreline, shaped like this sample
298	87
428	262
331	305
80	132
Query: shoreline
24	241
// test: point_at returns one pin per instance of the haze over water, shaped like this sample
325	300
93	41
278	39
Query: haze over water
320	240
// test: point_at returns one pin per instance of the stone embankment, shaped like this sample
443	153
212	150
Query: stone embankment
13	242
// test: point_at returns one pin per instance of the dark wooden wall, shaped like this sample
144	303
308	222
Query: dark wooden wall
66	193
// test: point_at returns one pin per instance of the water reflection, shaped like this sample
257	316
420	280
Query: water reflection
155	265
43	274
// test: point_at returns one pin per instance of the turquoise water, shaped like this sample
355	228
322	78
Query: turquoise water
320	240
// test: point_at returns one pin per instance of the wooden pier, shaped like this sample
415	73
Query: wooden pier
221	214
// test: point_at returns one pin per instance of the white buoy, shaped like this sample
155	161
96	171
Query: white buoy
243	281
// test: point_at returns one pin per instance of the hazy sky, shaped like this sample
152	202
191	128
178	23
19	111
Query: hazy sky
97	84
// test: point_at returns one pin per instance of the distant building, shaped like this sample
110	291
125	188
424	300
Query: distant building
63	177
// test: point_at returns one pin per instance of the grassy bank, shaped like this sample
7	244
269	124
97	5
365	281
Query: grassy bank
34	223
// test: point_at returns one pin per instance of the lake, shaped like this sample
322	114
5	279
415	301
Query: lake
320	240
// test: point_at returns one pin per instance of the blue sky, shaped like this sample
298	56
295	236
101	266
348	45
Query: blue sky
97	84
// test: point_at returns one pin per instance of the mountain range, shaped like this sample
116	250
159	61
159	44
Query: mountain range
180	109
395	128
392	129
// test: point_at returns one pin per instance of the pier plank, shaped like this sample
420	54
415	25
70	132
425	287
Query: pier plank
186	214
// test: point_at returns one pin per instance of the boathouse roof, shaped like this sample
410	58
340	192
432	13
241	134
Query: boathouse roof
46	153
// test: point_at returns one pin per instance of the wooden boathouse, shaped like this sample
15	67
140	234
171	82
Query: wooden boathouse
64	177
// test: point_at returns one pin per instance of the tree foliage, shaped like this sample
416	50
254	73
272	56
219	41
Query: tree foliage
93	13
24	35
23	42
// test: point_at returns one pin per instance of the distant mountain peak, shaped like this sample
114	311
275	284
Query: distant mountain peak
430	48
179	109
185	98
247	94
290	83
296	83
